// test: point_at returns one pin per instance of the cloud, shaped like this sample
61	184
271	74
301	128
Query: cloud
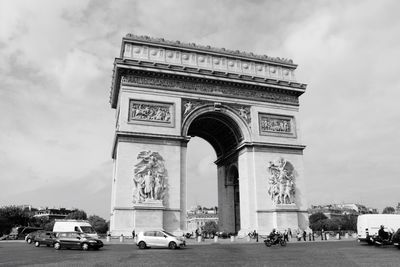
55	72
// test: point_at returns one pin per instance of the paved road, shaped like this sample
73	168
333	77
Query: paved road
338	253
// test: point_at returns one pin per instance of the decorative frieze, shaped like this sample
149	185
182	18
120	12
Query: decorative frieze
151	112
162	41
277	125
211	62
207	87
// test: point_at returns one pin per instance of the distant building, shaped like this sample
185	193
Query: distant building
54	213
337	210
198	216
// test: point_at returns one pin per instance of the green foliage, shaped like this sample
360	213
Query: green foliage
48	226
210	227
99	224
11	216
77	215
319	221
388	210
316	217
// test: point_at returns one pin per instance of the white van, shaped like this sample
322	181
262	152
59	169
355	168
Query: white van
369	224
81	226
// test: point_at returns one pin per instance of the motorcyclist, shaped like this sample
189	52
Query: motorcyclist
273	236
382	233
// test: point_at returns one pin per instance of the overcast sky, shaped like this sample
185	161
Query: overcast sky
57	127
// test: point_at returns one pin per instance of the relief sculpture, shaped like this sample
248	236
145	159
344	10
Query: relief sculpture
149	178
156	112
188	105
269	124
281	182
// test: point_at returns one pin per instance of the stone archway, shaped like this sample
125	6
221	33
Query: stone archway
225	131
246	106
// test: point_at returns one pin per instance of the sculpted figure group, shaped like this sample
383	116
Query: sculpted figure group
150	112
275	125
281	182
149	177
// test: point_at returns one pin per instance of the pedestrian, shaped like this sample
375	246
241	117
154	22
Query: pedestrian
133	233
304	235
322	234
286	236
290	232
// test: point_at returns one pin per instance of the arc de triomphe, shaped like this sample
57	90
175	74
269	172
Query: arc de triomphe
246	106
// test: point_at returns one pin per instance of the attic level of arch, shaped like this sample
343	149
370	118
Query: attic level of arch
273	91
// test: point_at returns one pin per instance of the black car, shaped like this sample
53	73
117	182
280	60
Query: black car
44	238
76	240
396	238
31	236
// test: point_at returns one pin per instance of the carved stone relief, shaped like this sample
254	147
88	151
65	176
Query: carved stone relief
150	111
149	178
271	124
255	93
244	112
189	105
281	182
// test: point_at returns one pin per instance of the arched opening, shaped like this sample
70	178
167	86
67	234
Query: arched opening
221	131
224	134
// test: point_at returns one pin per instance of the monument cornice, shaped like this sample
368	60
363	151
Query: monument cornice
161	42
272	147
216	83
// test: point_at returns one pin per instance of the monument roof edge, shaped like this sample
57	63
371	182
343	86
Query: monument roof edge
208	49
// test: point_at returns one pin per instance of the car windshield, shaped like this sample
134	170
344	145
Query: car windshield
88	230
165	232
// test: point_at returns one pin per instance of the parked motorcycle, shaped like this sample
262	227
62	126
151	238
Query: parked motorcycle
275	241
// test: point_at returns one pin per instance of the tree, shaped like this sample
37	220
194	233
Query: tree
318	216
210	227
77	215
317	221
99	224
12	216
388	210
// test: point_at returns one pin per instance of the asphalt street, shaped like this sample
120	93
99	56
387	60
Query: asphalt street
330	253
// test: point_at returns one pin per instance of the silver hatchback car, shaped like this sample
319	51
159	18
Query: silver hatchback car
159	238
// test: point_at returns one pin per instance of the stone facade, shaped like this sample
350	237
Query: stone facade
246	106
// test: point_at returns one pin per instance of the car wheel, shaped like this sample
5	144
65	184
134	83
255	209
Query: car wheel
172	245
142	245
85	246
37	244
29	241
57	246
